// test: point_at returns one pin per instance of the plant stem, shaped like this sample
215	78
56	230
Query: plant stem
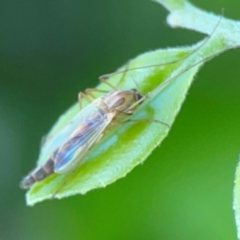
185	15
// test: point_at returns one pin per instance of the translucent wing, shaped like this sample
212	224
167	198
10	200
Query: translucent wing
61	137
81	139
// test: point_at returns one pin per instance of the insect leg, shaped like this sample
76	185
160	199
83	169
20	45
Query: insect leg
104	78
82	96
147	120
64	183
116	122
108	84
90	91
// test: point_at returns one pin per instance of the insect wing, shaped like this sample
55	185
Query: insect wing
53	142
81	140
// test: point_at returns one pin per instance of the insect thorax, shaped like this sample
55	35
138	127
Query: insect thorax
121	100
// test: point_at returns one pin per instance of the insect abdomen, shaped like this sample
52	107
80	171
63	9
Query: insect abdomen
38	174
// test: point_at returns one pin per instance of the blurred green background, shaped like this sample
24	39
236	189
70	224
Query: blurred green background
49	51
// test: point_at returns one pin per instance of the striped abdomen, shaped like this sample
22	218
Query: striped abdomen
38	174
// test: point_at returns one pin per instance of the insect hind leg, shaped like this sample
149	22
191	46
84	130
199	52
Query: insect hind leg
104	78
148	120
63	184
130	112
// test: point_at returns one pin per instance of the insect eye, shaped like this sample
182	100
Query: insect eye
138	96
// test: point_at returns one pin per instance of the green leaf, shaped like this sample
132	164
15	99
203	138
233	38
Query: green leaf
130	144
183	14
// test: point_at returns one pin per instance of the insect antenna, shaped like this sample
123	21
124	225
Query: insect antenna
168	81
108	75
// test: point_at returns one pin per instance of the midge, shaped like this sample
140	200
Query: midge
84	131
72	143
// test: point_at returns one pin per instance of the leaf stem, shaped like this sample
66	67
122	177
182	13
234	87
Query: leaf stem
185	15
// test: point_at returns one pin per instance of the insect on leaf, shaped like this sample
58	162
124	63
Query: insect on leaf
129	144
